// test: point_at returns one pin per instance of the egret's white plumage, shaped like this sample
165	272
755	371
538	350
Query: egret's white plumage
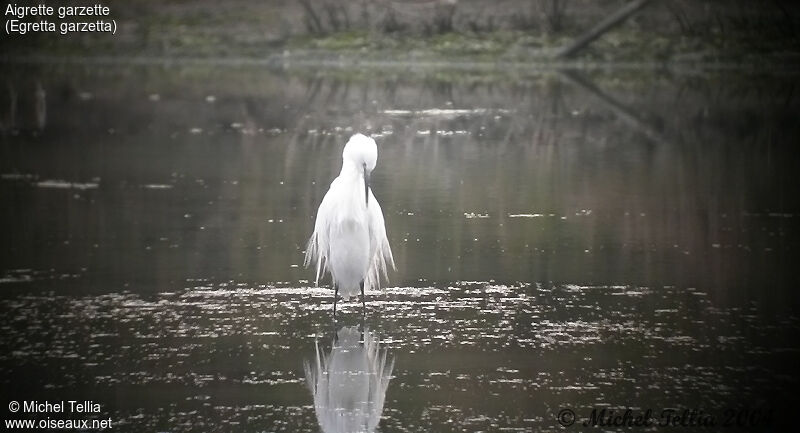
349	238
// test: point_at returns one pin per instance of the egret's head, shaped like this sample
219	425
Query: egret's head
362	152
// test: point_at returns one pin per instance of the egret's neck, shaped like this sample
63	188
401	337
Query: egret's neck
352	179
350	169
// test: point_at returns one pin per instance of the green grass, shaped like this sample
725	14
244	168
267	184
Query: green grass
162	37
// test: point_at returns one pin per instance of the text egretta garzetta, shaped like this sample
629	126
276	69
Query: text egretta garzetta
349	239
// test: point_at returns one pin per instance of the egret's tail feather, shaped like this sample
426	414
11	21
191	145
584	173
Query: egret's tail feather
380	260
316	253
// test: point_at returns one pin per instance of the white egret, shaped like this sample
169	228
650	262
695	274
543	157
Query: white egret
349	239
349	385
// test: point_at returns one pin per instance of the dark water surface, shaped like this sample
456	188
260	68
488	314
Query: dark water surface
563	240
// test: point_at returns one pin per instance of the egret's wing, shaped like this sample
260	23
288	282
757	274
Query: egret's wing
380	251
318	248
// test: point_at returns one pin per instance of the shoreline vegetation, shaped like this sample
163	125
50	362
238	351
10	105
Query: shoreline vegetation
668	34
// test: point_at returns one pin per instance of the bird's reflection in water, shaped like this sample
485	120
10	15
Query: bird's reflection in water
349	385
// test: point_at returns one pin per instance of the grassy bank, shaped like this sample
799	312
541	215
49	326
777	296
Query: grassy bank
465	32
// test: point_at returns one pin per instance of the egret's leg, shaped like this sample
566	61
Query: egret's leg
363	301
335	297
333	329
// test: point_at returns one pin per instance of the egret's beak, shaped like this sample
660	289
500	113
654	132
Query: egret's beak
366	183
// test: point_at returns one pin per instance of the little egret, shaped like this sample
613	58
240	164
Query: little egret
349	239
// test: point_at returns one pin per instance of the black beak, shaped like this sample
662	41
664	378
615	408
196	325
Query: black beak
366	183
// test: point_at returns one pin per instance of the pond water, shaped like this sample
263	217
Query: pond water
563	239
